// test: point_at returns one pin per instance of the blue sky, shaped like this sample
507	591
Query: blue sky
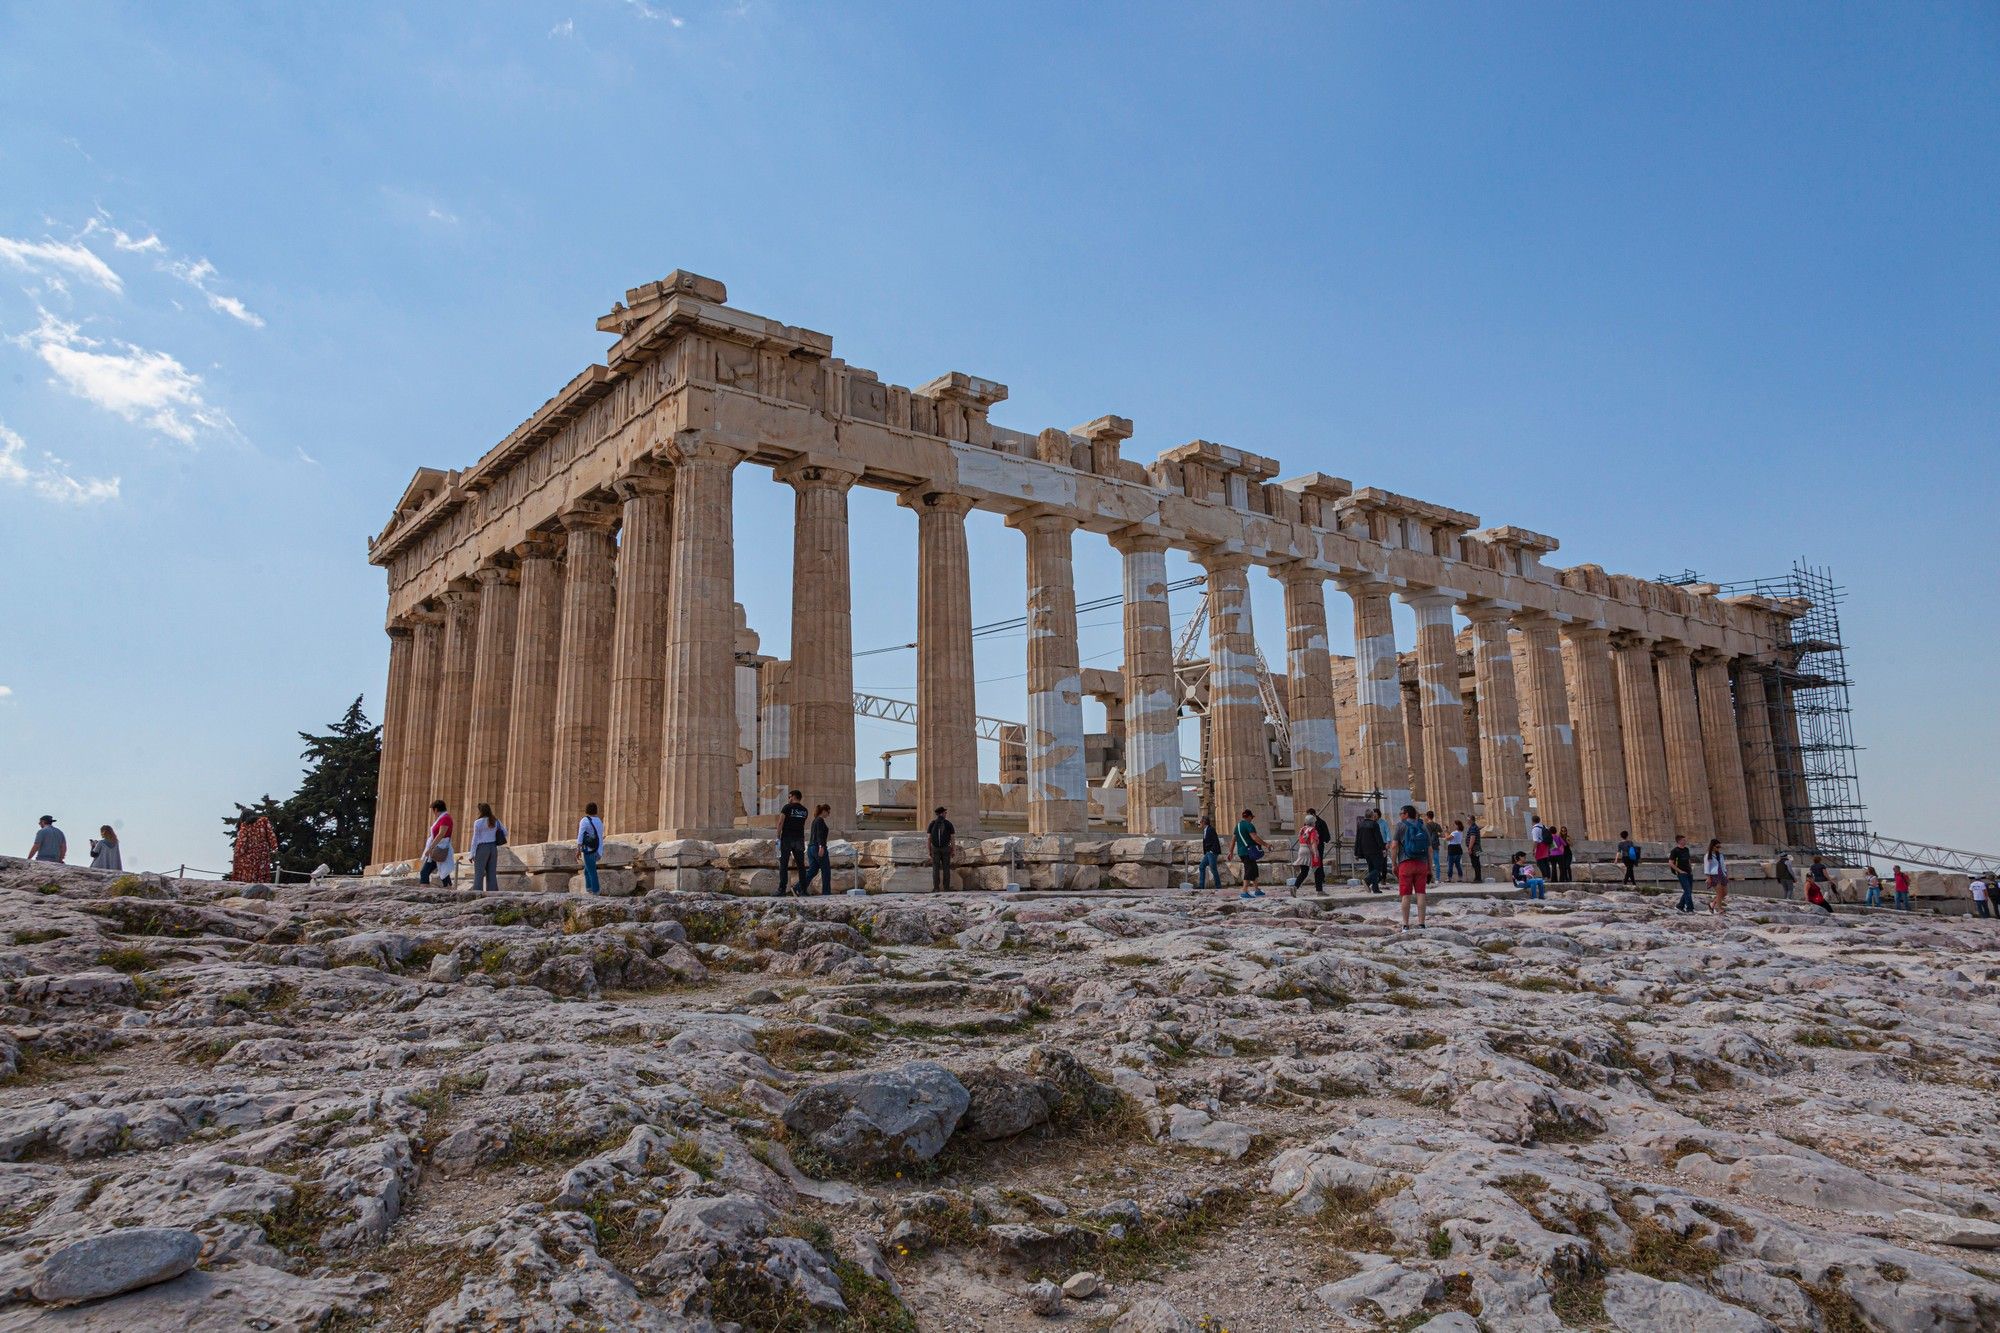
1686	285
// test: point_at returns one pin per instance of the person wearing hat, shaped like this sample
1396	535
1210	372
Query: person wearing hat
49	843
940	833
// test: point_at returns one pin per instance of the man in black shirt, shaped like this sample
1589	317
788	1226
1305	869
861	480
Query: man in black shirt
1681	858
940	834
1368	845
792	816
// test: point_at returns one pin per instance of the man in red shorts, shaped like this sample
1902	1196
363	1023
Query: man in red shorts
1413	863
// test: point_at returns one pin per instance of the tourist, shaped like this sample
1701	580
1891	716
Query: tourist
1436	832
1305	853
1211	854
489	835
1871	884
819	861
1817	872
1681	858
938	837
1817	897
1538	837
49	843
1454	851
1525	878
1475	843
437	847
1371	847
1325	844
104	853
1900	879
792	816
1563	854
1718	876
590	845
1628	856
1250	850
1979	894
1413	863
1786	879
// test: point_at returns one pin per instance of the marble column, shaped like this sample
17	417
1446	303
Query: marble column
947	760
821	704
1792	765
389	798
583	673
698	774
1378	696
1152	712
454	705
1558	779
1650	807
1721	749
1057	798
631	801
492	690
426	676
1760	768
1600	747
1309	695
1687	764
1503	768
1238	751
531	713
1447	782
1413	737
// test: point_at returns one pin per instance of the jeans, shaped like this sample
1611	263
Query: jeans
1874	897
1980	903
941	869
1437	857
1455	860
821	864
791	854
1686	904
1477	876
590	884
486	867
1211	864
1902	900
1537	886
1378	870
1786	886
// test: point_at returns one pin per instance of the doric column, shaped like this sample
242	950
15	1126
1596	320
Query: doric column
1503	769
1447	784
1721	749
1057	800
947	762
821	716
426	673
389	798
631	801
1651	807
583	676
1600	748
1792	765
1687	764
1378	695
1237	748
492	687
1309	694
698	774
1413	736
1760	768
531	713
454	706
1558	777
1152	706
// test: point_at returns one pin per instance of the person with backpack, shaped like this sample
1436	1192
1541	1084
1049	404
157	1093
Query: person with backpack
1370	847
1475	843
1538	839
1628	856
1413	863
489	835
589	843
792	816
1250	850
437	847
1211	854
1681	858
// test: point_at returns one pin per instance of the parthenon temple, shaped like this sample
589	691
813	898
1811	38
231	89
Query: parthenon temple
564	628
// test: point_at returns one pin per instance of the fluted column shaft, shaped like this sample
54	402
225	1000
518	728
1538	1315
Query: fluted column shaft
426	678
531	713
454	707
1309	695
389	799
492	688
1648	799
1503	770
1558	776
1237	748
947	762
1687	764
1057	799
1760	769
1792	767
821	745
631	801
1600	748
1447	781
583	674
1152	718
1721	749
1413	737
1378	696
698	774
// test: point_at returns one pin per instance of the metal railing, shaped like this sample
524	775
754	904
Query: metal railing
1935	857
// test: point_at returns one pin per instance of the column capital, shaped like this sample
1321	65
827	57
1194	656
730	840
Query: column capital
1049	522
1672	648
693	448
1711	657
1529	617
539	546
1624	639
1594	635
1139	540
459	593
807	472
400	629
645	477
1300	571
930	499
1488	613
1215	559
1363	583
588	516
497	569
1427	599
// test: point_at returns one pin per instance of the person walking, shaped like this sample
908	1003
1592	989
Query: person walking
1786	879
1325	849
1436	832
792	816
437	847
1211	854
819	861
1250	850
590	845
1871	885
489	835
1305	854
1900	880
1372	848
1628	856
1718	876
49	843
104	853
1413	863
1454	851
1681	858
1524	877
1563	853
1475	844
938	837
1979	893
1538	841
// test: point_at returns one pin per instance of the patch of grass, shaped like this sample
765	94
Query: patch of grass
1347	1217
50	887
510	915
871	1306
127	958
294	1226
39	936
1837	1310
1722	1217
1146	1249
689	1154
1130	960
1421	1041
1523	1187
1403	1001
128	886
1661	1252
794	1047
1554	1129
1578	1299
1497	946
1683	1148
492	958
708	925
1439	1244
555	1145
1543	985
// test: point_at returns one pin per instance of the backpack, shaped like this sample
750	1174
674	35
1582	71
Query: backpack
1632	852
1415	841
587	840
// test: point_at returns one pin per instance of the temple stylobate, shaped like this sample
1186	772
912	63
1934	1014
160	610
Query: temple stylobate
564	627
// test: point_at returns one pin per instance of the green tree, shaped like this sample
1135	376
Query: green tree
330	819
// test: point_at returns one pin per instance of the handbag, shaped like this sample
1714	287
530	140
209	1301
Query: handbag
499	835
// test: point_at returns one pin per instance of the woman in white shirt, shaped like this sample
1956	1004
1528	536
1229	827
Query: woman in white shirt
104	853
488	834
1718	876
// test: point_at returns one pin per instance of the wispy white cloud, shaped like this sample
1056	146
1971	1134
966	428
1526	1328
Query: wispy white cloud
143	386
567	28
6	691
198	274
646	11
51	479
53	259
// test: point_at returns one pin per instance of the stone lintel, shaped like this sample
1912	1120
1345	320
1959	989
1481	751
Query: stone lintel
1111	429
958	387
1223	458
1318	484
1373	499
1516	538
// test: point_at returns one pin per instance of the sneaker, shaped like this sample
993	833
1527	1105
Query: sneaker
1258	894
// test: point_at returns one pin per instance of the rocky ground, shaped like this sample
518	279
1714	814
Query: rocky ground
376	1106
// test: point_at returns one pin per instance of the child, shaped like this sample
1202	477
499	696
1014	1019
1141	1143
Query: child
1526	878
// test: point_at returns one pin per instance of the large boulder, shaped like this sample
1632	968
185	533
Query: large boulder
1006	1102
883	1118
117	1261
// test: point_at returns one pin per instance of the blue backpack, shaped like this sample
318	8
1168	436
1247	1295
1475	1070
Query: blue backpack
1415	840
